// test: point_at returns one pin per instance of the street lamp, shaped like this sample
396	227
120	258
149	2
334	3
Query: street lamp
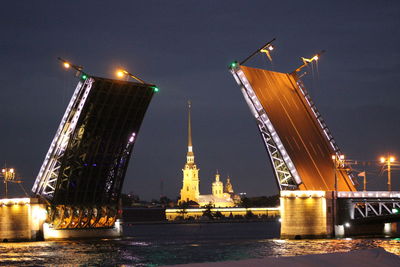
8	176
388	161
267	49
338	163
306	61
122	73
79	69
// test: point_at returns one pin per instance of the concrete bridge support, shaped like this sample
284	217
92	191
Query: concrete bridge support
21	219
306	214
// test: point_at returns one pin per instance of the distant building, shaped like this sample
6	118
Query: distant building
221	196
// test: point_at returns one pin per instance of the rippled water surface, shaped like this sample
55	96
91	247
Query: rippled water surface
163	244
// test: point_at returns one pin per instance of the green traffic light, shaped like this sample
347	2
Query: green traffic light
395	211
155	89
84	77
233	64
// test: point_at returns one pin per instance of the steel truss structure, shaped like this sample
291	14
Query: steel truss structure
371	204
82	175
284	169
371	208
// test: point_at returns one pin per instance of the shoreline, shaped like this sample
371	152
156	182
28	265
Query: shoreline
198	221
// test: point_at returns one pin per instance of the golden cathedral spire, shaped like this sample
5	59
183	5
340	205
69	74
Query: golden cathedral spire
190	154
190	187
189	125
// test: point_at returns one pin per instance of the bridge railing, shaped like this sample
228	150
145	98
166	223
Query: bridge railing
369	194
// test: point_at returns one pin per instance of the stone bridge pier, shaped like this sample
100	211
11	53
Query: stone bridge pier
318	214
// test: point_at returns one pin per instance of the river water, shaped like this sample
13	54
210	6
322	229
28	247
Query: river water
164	244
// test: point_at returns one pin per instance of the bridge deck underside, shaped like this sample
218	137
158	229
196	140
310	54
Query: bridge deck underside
298	129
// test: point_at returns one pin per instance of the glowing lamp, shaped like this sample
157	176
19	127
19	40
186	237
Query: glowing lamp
395	211
392	159
382	160
84	77
233	64
155	89
271	47
67	65
120	73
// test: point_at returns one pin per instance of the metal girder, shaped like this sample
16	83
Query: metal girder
284	169
46	180
374	208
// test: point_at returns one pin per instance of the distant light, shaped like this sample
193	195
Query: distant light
383	160
120	73
280	220
341	157
12	170
395	211
155	89
347	225
132	138
392	159
67	65
271	47
233	64
315	57
333	157
3	170
84	77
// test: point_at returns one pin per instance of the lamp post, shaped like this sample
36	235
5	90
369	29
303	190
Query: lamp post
388	161
8	175
121	73
338	160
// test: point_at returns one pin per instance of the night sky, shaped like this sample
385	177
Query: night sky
185	47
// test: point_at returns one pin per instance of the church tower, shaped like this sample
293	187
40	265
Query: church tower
217	187
228	188
190	188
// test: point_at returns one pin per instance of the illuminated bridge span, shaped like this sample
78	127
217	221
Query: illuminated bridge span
297	139
82	175
304	157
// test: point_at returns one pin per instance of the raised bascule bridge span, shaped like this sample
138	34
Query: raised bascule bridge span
81	178
299	144
318	193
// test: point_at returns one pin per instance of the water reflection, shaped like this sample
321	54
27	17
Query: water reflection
193	246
